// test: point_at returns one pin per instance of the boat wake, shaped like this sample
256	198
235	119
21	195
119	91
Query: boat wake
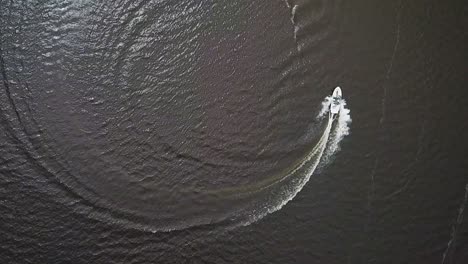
341	129
279	191
293	10
243	205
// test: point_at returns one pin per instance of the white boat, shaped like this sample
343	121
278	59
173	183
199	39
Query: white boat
335	105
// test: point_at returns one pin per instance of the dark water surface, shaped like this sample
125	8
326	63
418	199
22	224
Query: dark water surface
170	131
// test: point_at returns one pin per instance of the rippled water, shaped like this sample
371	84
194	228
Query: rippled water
140	109
124	120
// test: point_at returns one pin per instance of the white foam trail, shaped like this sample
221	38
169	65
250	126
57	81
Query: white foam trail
328	145
325	107
293	21
340	131
293	13
293	10
315	157
277	193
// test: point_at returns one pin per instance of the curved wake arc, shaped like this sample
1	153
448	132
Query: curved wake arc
280	189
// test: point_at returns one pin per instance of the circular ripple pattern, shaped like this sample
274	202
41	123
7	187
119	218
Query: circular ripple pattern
143	108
